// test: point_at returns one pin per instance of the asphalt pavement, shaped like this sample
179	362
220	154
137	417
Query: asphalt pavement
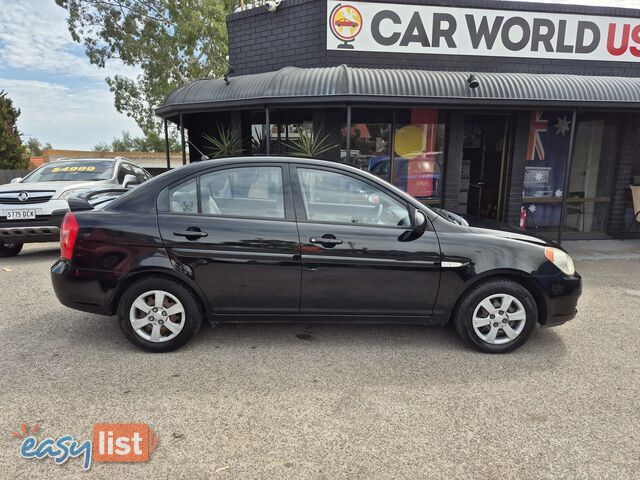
328	402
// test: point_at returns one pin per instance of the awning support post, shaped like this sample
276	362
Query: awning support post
166	144
267	134
348	134
184	149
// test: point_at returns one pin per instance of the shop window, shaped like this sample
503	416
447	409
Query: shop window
590	178
289	129
370	141
418	144
254	132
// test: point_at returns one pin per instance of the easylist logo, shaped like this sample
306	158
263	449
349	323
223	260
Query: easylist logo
381	27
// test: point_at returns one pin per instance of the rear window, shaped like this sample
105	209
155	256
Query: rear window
82	171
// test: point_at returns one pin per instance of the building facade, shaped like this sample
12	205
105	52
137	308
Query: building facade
525	113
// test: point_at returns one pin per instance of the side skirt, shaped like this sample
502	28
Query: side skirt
321	319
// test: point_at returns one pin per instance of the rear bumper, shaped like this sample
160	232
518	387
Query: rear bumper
42	229
83	290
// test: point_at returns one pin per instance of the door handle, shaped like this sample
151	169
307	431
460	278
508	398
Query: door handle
191	233
326	241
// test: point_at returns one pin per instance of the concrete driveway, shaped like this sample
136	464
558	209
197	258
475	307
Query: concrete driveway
320	401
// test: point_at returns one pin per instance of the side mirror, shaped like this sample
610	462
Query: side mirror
129	181
420	221
16	180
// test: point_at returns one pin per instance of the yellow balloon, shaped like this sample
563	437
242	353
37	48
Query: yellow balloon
410	141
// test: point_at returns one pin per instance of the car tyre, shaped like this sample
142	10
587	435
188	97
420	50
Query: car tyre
177	316
483	323
10	249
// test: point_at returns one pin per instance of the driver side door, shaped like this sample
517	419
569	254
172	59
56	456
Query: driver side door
357	256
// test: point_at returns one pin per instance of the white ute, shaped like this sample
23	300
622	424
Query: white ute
32	208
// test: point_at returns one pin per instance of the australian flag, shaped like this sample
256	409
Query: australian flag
547	152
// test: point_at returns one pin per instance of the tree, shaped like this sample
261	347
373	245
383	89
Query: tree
152	142
13	155
35	148
172	41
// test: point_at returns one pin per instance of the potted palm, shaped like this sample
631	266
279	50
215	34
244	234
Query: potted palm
225	144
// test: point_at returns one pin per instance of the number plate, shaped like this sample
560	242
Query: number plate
21	214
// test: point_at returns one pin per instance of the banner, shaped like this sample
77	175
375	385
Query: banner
398	28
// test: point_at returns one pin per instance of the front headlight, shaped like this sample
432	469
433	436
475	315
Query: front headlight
560	259
70	193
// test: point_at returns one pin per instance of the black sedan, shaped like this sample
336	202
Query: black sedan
287	239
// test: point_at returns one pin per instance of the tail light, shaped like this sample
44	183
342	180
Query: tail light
68	235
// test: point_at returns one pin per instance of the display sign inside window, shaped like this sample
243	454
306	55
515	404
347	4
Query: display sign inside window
383	27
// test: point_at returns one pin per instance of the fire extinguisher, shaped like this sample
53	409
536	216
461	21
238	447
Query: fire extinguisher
523	218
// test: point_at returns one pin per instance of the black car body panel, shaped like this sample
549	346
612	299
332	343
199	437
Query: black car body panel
256	269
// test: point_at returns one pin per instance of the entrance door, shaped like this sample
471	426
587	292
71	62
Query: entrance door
485	155
357	258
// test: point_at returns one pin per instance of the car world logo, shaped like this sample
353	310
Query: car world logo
346	24
110	442
23	196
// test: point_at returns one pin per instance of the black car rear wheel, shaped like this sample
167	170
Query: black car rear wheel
158	314
496	316
10	249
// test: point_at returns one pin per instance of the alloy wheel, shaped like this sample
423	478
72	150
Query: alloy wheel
157	316
499	319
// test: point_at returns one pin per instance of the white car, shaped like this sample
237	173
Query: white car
32	208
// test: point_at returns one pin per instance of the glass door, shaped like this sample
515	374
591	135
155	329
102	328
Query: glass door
591	176
486	151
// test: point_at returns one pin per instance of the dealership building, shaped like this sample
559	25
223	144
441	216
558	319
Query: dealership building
525	113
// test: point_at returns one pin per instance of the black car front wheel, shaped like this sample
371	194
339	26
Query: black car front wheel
496	316
10	249
158	314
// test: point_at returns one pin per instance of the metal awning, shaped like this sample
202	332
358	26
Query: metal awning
292	85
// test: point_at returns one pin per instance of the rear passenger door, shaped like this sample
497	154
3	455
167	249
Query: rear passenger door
232	229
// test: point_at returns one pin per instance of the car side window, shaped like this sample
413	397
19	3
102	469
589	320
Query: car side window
337	198
184	197
243	192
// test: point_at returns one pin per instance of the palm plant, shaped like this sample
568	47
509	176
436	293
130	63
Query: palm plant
225	144
310	144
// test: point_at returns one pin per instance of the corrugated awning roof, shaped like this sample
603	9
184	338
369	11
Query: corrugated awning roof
339	84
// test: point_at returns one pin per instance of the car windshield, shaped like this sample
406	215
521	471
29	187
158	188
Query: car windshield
80	171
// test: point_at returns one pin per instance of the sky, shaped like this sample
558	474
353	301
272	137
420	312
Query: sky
63	98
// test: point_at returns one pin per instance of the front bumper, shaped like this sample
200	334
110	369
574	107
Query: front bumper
45	228
563	292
